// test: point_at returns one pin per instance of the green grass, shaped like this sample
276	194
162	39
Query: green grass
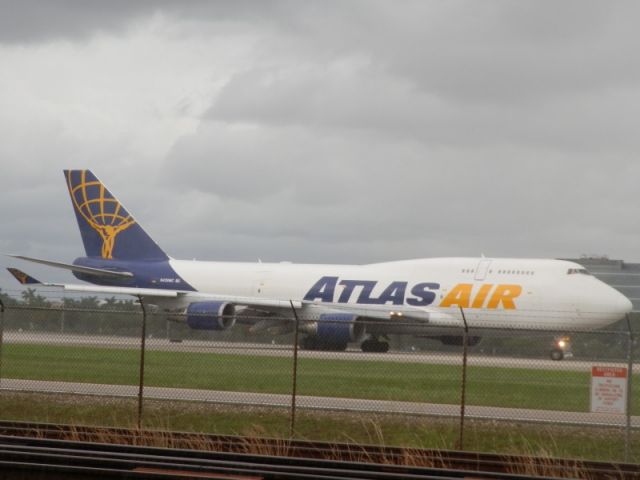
489	386
396	430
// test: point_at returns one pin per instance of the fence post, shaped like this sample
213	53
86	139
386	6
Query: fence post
465	343
143	339
627	437
294	385
1	334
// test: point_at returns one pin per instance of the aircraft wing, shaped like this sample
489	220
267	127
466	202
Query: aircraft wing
26	279
378	312
395	313
374	312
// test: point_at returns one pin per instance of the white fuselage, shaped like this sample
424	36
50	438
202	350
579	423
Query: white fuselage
506	293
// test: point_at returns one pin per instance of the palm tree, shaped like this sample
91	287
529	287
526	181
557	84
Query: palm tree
31	298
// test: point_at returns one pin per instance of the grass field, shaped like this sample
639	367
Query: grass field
500	387
396	430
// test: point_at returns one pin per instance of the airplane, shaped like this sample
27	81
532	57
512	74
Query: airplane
339	304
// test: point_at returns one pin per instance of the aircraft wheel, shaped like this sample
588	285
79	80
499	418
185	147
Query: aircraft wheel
372	345
557	354
367	346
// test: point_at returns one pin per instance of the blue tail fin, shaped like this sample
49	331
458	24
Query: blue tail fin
108	230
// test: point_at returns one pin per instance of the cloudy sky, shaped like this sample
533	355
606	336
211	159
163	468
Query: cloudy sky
320	131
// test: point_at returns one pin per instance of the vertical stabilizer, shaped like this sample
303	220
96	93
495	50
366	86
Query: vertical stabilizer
108	230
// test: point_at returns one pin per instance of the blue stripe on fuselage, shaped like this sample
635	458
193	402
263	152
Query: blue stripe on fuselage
146	274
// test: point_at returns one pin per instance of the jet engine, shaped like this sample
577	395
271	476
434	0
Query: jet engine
333	331
211	315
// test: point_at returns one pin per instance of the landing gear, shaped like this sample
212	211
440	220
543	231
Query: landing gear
557	354
561	349
374	345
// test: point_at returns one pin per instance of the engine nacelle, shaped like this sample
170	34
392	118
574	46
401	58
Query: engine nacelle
211	315
338	328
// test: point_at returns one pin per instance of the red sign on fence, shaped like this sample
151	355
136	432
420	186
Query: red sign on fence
609	390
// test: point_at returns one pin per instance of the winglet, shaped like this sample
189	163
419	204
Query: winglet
22	277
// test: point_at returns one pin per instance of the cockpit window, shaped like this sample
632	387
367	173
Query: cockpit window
581	271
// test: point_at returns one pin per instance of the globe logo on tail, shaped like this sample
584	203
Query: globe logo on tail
100	210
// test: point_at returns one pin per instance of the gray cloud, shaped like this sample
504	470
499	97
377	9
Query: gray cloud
325	131
37	21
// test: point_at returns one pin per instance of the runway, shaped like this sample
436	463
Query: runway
320	403
306	402
269	350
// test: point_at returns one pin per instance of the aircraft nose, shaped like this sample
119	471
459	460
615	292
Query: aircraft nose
617	303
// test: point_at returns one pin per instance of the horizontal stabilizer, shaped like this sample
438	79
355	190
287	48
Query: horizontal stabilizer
98	272
22	277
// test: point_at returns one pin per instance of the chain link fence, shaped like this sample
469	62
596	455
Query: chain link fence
111	362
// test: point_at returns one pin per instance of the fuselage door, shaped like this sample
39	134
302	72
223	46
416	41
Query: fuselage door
482	269
260	283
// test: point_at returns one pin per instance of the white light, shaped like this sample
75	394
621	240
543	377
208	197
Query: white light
562	343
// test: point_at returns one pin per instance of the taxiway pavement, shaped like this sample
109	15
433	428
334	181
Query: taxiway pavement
319	403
